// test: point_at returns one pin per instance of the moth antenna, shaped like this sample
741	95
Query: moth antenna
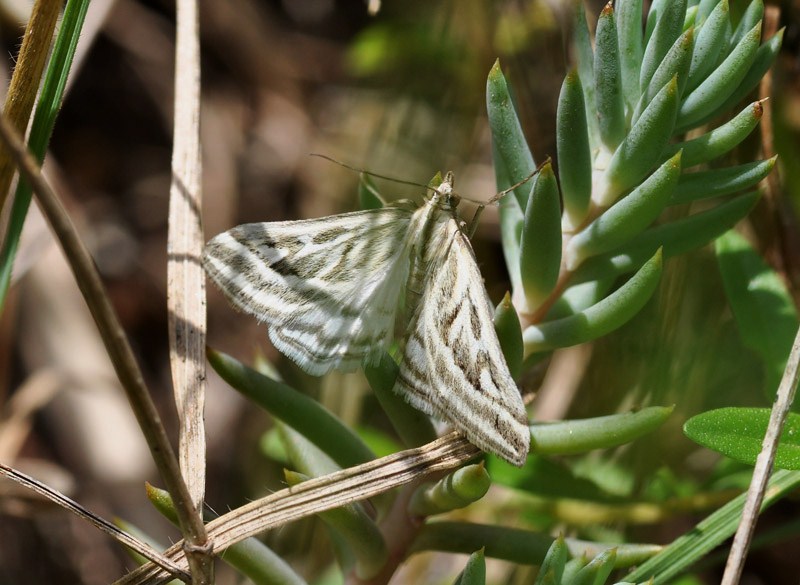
481	206
370	173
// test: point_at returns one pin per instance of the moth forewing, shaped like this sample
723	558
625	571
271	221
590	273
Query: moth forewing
335	290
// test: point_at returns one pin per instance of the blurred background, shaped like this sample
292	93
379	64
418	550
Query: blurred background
399	92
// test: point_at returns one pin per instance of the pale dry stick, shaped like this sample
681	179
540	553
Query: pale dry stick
320	494
114	338
186	291
17	418
121	536
763	468
26	79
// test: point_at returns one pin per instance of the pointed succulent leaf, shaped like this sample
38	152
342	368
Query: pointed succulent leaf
668	27
704	9
605	432
708	45
508	139
675	63
294	408
676	238
358	530
765	57
474	572
600	319
584	55
691	18
540	250
721	83
653	14
608	82
368	194
643	146
720	182
457	490
751	17
720	140
598	569
552	567
762	306
631	47
509	333
574	156
413	427
626	218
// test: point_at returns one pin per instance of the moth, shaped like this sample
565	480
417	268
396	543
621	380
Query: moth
336	291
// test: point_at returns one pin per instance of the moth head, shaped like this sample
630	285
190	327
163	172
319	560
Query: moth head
445	194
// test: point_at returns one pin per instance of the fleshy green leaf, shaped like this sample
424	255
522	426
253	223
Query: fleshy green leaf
675	64
739	434
676	237
721	83
597	570
356	528
295	409
509	333
457	490
751	17
584	55
579	436
600	319
709	45
574	156
720	182
631	47
474	572
552	568
607	81
413	427
626	218
668	27
642	148
765	313
720	140
540	247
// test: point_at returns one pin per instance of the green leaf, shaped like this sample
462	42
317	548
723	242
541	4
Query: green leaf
676	237
701	539
626	218
751	17
668	27
765	57
720	84
704	9
357	529
764	310
474	572
580	436
642	148
584	55
739	434
540	247
720	140
631	48
600	319
574	156
413	427
552	568
457	490
295	409
597	570
675	64
368	195
47	108
509	333
608	82
720	182
709	45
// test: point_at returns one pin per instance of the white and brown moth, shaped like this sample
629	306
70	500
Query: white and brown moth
334	291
